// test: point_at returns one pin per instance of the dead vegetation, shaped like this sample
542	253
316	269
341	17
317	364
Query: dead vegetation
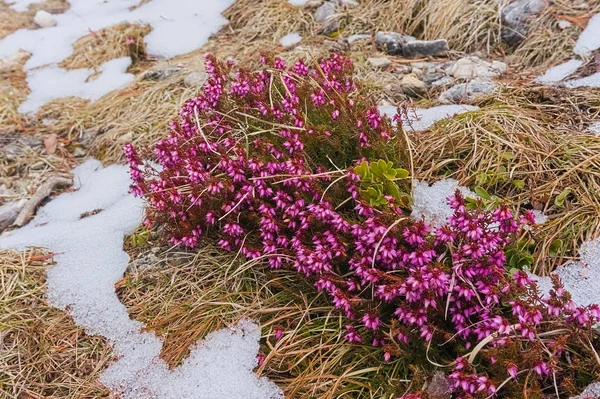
43	354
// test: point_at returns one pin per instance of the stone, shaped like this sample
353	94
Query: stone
338	46
564	24
9	213
79	152
445	81
146	262
126	138
417	72
161	73
44	19
403	69
325	16
379	62
392	42
425	48
466	92
15	146
413	86
516	18
438	387
195	79
474	67
429	78
88	136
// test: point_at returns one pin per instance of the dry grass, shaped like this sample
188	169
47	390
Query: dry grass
95	48
194	294
42	353
13	20
535	135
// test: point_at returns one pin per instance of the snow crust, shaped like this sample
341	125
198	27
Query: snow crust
21	5
297	2
559	72
588	81
589	40
290	39
423	118
581	277
430	201
90	260
178	27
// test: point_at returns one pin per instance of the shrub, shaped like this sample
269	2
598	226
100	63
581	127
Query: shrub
294	166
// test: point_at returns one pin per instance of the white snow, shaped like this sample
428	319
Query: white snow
588	81
539	217
353	38
290	39
297	2
581	277
559	72
178	27
430	202
594	128
90	260
53	82
423	118
589	40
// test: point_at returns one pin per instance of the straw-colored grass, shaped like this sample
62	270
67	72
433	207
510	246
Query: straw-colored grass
533	135
13	20
42	353
194	294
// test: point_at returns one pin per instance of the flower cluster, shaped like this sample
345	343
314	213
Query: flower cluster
266	163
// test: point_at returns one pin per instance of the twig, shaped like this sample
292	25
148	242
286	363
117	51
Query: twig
42	192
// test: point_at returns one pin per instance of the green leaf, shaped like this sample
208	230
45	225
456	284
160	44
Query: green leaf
392	189
519	183
555	247
561	198
401	173
390	174
482	193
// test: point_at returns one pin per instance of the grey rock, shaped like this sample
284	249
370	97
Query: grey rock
87	137
44	19
466	92
325	16
403	69
9	213
161	73
392	42
13	146
195	79
425	48
338	46
379	62
413	86
79	152
430	78
474	67
517	17
445	81
438	387
147	261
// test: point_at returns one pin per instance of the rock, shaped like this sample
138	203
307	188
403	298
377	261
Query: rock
439	388
516	18
413	86
147	261
15	146
161	73
44	19
87	137
446	80
349	3
195	79
473	67
79	152
429	78
50	143
425	48
379	62
14	62
325	16
403	69
126	138
466	92
9	213
417	72
338	46
392	42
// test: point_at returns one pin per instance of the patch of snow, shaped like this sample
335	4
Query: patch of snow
581	277
21	5
297	2
589	40
423	118
594	128
90	260
559	72
290	39
49	83
564	24
178	27
539	217
588	81
430	202
591	392
353	38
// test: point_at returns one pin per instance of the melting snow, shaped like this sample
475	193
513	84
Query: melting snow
21	5
290	39
559	72
422	118
581	277
430	202
297	2
589	40
178	27
90	260
588	81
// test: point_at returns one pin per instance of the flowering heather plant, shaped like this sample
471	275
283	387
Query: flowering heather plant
295	167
